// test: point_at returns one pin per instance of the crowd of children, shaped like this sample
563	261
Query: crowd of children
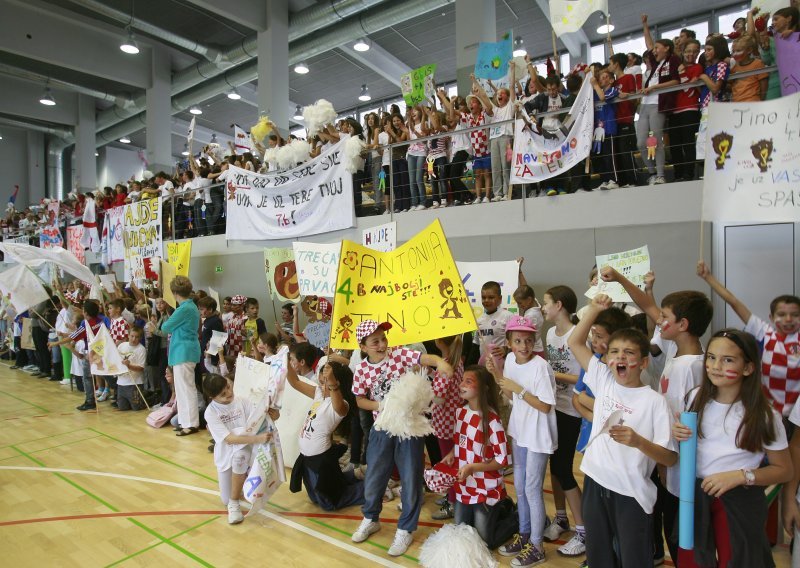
511	399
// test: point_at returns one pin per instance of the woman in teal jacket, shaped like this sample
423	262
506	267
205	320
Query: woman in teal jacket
184	353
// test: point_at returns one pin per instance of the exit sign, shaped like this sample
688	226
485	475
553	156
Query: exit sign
217	269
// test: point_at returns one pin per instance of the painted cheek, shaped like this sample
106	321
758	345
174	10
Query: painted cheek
633	364
665	326
732	375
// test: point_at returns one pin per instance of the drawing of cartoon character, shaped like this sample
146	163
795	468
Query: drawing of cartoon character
762	152
345	328
450	303
721	144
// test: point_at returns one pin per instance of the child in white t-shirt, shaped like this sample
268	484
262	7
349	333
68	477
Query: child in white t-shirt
529	382
225	417
531	310
318	463
631	433
491	333
129	396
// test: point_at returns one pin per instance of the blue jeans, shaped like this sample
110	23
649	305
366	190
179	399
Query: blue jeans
478	515
416	165
353	493
529	468
383	452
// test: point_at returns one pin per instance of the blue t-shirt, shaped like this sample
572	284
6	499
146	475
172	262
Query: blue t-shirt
586	426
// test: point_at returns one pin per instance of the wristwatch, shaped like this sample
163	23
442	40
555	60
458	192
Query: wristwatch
749	477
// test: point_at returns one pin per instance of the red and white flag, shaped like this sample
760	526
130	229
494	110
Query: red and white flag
241	140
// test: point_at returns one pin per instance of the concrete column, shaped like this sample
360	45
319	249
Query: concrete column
159	116
475	22
85	164
102	170
273	65
37	167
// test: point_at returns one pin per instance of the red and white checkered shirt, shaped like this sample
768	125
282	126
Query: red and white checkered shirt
236	335
373	380
119	330
481	486
479	138
443	416
780	364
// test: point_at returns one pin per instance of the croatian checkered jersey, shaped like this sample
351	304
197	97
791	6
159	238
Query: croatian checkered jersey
481	486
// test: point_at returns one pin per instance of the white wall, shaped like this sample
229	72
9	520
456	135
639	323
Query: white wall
14	166
120	165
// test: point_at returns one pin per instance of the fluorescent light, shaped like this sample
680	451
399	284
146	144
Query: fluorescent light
129	44
605	29
298	113
519	51
96	155
47	98
301	68
125	140
361	45
195	110
213	137
185	150
364	96
234	95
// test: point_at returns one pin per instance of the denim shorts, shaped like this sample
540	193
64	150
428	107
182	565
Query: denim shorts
484	163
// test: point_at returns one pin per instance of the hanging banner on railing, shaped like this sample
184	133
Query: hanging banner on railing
751	162
180	256
74	237
315	197
112	249
538	157
141	232
50	237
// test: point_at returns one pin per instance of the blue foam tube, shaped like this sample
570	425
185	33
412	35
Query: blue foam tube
688	471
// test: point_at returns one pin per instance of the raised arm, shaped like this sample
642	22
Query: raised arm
645	302
481	94
577	339
648	39
300	386
704	272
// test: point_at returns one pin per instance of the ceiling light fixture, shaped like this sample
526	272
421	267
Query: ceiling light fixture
195	110
129	43
361	45
519	51
298	113
47	98
301	68
234	95
125	140
607	27
185	150
96	155
213	137
364	96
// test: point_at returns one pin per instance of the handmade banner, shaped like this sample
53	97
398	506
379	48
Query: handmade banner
168	274
217	342
179	255
632	264
7	258
318	333
492	59
145	269
141	232
382	238
569	15
317	266
416	288
241	140
74	237
112	248
103	354
281	274
50	236
505	273
108	281
24	288
315	197
538	157
418	86
751	170
787	54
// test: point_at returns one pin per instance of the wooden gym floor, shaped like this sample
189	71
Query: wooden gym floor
104	489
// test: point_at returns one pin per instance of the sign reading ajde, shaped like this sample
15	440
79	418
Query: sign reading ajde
416	288
141	234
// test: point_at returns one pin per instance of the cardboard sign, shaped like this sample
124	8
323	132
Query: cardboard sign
317	266
632	264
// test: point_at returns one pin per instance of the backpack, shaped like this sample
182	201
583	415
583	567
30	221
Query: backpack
160	416
504	522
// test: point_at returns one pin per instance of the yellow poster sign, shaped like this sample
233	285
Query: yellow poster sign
416	288
179	256
168	274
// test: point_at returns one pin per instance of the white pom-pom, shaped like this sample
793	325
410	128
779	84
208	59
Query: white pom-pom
301	150
318	115
147	175
403	410
353	147
271	155
456	546
284	158
214	150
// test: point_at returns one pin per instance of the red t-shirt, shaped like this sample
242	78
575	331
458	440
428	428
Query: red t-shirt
689	99
119	199
625	109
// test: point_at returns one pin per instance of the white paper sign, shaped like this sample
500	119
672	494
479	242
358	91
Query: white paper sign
613	419
475	274
315	197
382	238
317	267
632	264
217	341
318	333
751	161
536	157
108	281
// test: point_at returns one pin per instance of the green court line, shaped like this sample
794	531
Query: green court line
42	408
147	529
43	438
156	456
152	546
53	447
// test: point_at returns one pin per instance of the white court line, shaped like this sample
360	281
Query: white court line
291	524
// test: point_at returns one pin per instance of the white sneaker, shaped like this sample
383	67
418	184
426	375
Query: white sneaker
498	198
574	547
402	540
103	396
476	201
612	185
659	180
98	392
485	200
365	529
65	382
553	530
421	207
30	368
603	186
651	180
435	205
234	512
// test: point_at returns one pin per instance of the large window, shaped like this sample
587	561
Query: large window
725	21
631	45
699	28
598	53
